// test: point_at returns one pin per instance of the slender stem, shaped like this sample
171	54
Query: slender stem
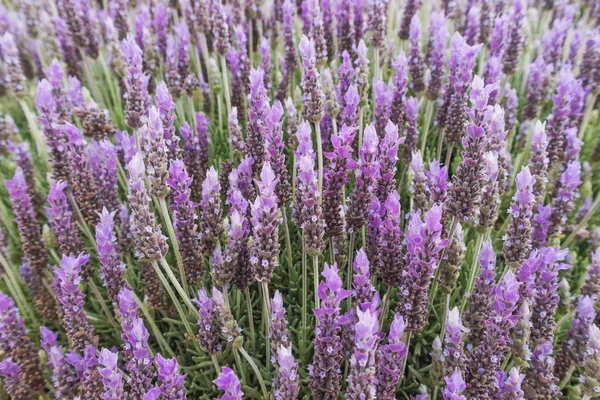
103	305
174	299
428	116
243	372
288	243
174	244
261	382
226	84
350	257
586	397
439	145
267	301
434	286
360	126
15	281
386	305
267	320
564	319
319	158
448	156
175	282
567	377
405	360
473	271
583	221
304	299
250	318
82	224
591	101
376	70
316	279
435	392
215	363
445	316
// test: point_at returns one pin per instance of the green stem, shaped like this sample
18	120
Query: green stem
288	243
350	257
103	305
174	299
319	158
175	245
175	282
226	84
261	382
438	153
567	377
250	317
428	116
16	284
445	316
376	64
304	299
316	279
267	305
583	221
472	272
448	157
386	305
589	109
215	363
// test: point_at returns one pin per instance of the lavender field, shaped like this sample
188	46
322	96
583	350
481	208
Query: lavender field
300	199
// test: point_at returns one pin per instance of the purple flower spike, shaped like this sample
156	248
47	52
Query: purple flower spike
539	160
590	378
514	40
336	176
455	385
563	202
416	63
208	334
511	387
287	381
454	353
436	53
184	222
274	153
71	300
258	111
135	348
63	376
517	243
171	386
423	243
540	378
113	268
230	384
377	22
388	157
383	100
279	330
265	222
366	178
14	78
16	345
60	219
136	83
399	80
16	386
211	224
103	160
591	285
410	9
391	262
32	244
412	129
479	303
313	94
389	360
324	373
361	381
112	378
150	242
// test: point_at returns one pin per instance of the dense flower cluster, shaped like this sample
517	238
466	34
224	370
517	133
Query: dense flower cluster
391	200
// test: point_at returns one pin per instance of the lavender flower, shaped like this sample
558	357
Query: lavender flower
590	378
103	160
591	285
377	21
436	53
136	83
388	157
229	327
64	379
171	386
324	373
60	219
563	203
540	378
135	347
32	244
228	382
291	58
16	386
207	335
113	267
274	153
514	40
391	262
71	300
313	94
511	387
454	353
365	184
538	77
195	154
211	225
150	242
336	176
412	129
383	99
451	264
479	301
111	376
410	9
455	385
14	78
361	381
257	119
423	243
517	243
286	383
389	360
399	80
16	345
416	65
